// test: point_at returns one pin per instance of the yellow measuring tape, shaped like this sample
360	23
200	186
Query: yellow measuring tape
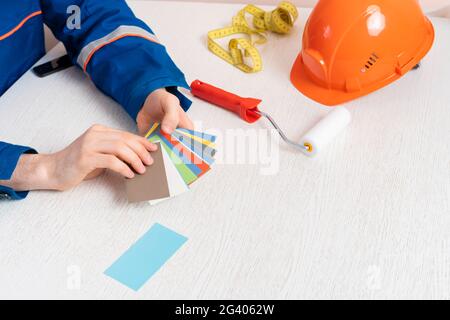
281	20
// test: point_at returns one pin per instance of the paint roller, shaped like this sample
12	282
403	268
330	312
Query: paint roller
314	141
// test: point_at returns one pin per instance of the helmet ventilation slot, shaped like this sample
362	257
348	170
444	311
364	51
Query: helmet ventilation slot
370	62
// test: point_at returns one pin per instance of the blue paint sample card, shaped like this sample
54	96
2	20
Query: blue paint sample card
146	256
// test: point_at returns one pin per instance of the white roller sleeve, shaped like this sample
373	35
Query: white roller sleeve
326	130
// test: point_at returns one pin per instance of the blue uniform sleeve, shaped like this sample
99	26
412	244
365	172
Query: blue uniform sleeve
9	156
119	52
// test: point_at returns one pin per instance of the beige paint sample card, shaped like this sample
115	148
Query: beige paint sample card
177	185
151	185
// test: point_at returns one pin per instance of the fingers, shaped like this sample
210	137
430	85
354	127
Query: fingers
132	150
109	133
122	151
113	163
162	106
97	149
141	151
171	117
132	140
175	117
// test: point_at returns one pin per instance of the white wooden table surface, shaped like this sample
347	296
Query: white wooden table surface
368	218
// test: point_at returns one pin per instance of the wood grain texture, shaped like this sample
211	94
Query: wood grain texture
368	218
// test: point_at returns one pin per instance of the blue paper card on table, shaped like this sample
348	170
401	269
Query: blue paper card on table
146	256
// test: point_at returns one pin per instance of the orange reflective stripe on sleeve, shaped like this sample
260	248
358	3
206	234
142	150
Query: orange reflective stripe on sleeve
89	50
20	25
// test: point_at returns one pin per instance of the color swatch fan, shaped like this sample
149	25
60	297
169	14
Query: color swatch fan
181	158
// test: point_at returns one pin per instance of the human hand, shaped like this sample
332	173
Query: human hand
162	106
99	148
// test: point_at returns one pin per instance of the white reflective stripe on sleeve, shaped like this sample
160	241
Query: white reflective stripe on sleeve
123	31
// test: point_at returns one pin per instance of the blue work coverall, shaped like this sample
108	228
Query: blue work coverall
119	52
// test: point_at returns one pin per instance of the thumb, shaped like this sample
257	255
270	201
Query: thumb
185	122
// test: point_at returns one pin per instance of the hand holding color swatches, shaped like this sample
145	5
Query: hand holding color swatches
182	158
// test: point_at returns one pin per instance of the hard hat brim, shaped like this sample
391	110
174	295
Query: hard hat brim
310	89
332	97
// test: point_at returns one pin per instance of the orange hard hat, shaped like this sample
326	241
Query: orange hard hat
354	47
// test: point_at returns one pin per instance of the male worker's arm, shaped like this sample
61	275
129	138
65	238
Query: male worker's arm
119	52
126	61
9	156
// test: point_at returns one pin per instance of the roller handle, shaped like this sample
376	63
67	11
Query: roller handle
246	108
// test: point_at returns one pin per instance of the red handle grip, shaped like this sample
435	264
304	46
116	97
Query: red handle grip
246	108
